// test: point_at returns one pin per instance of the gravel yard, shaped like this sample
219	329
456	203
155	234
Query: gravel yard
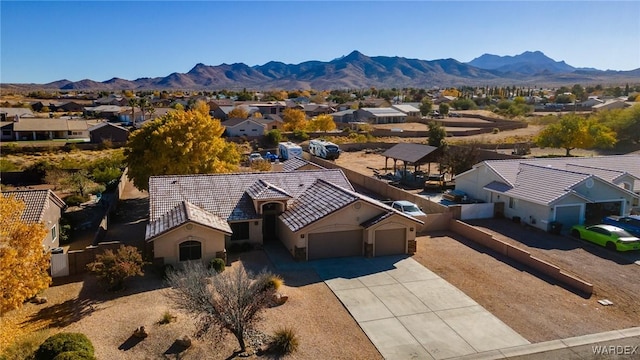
324	327
535	306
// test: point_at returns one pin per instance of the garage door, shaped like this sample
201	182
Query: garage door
568	216
390	242
335	244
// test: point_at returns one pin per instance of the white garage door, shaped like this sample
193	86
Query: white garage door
390	242
335	244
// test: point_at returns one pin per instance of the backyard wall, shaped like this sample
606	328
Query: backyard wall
522	256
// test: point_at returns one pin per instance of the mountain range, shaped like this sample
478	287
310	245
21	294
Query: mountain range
357	70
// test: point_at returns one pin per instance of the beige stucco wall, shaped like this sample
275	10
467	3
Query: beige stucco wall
167	245
51	219
345	219
250	129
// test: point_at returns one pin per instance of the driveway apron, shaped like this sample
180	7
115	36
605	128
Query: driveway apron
409	312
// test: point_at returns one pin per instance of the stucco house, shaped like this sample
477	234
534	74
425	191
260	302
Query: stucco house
568	191
42	206
380	115
315	214
108	131
49	129
410	110
244	127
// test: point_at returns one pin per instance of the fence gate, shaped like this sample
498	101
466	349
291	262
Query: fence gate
59	265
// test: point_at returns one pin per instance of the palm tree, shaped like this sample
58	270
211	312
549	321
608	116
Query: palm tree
133	102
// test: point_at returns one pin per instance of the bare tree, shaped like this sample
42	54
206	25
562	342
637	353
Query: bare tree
229	301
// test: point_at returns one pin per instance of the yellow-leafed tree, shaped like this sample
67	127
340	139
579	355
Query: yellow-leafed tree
576	132
294	119
323	122
179	143
238	113
24	264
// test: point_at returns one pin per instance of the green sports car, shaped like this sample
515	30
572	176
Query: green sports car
609	236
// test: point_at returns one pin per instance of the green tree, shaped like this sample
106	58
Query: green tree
573	131
465	104
458	159
273	136
425	106
294	119
180	142
113	268
443	108
437	134
133	102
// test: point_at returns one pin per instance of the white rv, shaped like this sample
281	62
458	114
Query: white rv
288	150
324	149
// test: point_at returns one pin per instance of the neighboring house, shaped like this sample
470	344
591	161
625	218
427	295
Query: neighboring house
6	128
103	111
380	115
344	116
565	190
49	129
45	207
11	114
70	106
270	122
589	103
108	131
271	108
410	110
297	164
311	110
244	127
111	100
315	214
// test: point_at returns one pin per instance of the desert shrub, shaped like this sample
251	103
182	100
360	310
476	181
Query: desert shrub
261	165
65	342
284	341
301	135
217	264
495	131
25	346
75	199
273	136
10	148
113	267
167	318
274	282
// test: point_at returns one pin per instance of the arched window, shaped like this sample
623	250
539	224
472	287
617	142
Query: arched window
190	250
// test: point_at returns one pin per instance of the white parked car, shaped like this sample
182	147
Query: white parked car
254	156
408	208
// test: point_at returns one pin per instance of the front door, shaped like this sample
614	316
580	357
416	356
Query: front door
269	227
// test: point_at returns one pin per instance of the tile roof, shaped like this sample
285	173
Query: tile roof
296	163
508	169
225	194
182	213
262	190
105	123
322	199
376	219
36	203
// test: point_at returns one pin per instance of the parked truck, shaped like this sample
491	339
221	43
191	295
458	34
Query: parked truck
324	149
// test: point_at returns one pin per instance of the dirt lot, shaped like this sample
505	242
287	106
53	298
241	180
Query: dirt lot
535	306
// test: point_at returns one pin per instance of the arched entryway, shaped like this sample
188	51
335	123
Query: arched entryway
270	212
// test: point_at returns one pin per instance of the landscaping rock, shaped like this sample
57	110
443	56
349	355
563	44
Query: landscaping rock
39	300
279	299
184	341
140	332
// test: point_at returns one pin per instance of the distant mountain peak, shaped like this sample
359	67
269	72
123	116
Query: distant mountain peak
529	62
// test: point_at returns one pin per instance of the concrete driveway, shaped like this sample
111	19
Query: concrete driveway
409	312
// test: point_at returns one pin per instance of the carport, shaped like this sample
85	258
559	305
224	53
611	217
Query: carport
411	154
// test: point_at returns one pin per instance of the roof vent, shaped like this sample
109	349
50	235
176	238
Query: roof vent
174	182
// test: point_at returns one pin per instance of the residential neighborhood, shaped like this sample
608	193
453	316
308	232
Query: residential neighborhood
332	224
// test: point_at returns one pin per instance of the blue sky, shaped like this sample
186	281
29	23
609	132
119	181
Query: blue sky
44	41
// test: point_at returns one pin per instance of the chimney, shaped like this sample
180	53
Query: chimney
16	118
